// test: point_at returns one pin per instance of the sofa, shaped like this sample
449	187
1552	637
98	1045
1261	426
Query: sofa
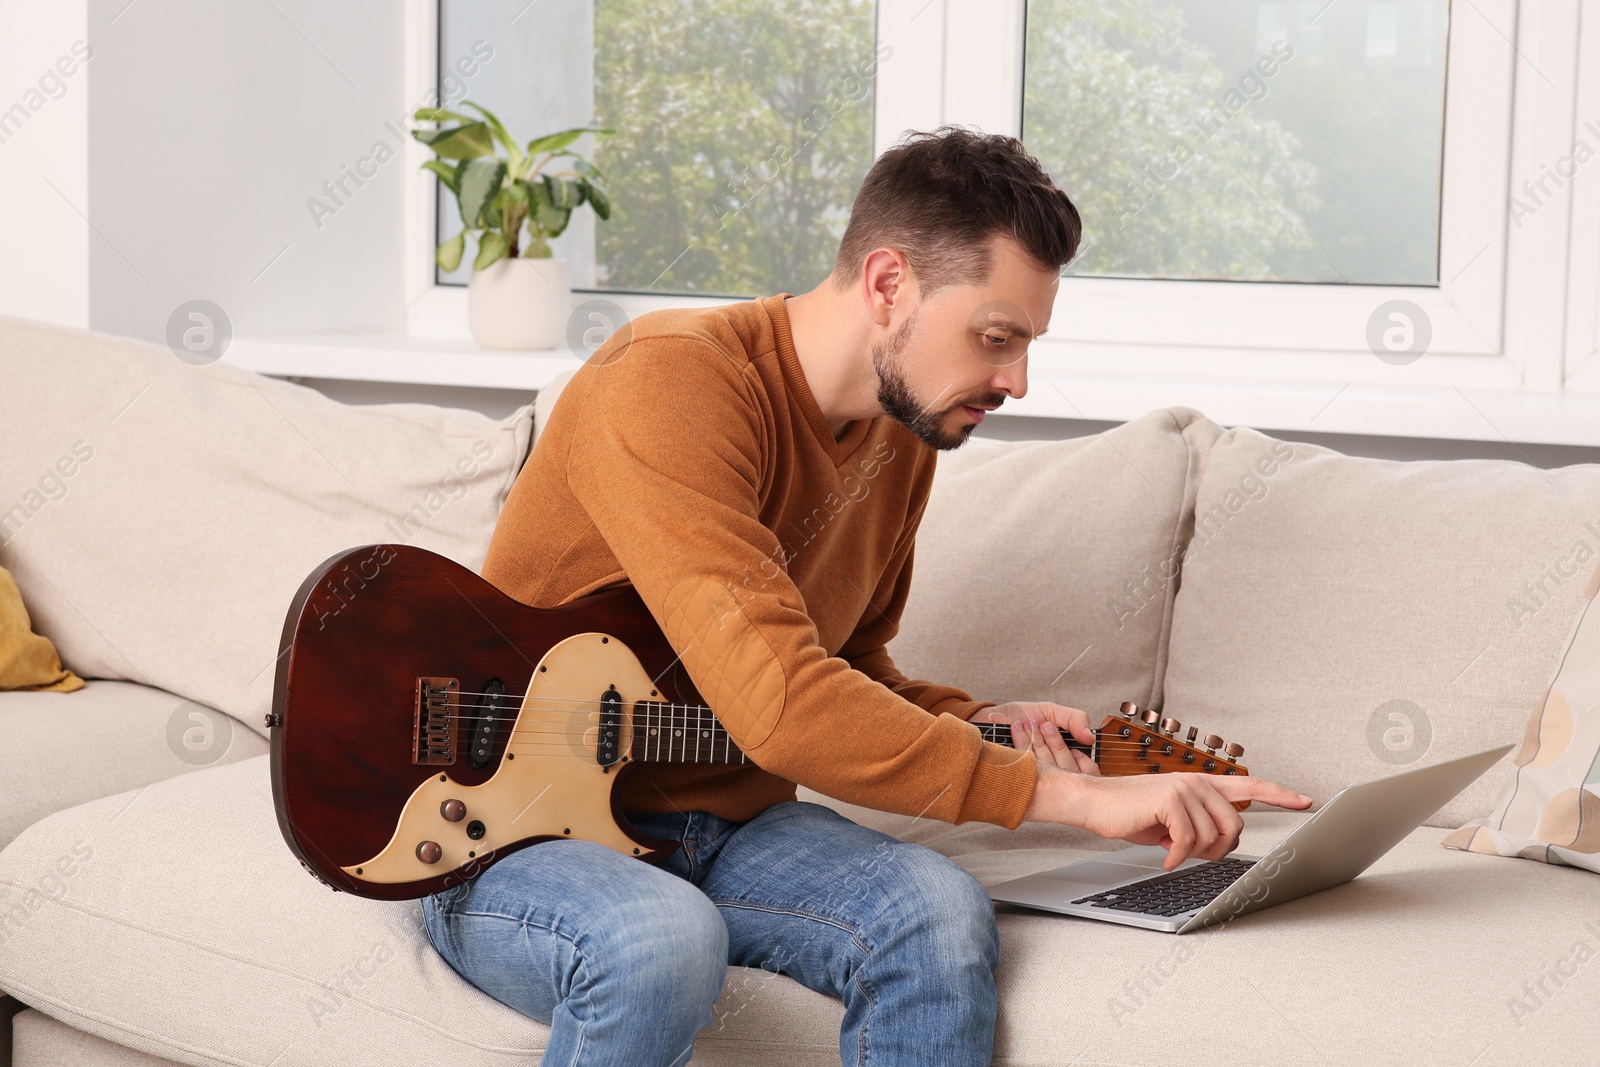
1340	617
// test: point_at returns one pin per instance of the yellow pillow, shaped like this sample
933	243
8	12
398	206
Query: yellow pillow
27	661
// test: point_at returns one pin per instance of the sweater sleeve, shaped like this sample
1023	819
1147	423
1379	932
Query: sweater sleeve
866	651
668	468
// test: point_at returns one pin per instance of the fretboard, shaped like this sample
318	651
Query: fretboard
690	733
681	733
1000	734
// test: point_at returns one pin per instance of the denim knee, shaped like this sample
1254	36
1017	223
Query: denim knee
672	950
942	904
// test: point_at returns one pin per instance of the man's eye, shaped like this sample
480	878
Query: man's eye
998	338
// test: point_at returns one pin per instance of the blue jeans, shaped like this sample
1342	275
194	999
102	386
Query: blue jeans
624	959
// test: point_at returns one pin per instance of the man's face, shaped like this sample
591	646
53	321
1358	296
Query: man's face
965	345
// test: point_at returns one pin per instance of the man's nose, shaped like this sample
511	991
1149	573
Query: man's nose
1012	379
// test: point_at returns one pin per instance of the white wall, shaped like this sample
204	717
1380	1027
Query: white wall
210	128
44	168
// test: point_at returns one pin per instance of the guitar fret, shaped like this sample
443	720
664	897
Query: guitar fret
662	734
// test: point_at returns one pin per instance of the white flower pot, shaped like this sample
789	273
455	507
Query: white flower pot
520	303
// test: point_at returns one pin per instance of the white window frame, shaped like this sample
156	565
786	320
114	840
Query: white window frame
1581	369
1515	319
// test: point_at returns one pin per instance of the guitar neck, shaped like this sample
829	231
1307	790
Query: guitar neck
680	733
690	733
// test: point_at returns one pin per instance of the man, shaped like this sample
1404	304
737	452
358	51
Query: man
758	472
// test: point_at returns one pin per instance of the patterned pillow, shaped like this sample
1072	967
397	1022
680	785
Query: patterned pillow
1549	809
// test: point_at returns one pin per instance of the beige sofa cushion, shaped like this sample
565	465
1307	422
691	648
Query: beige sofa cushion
184	928
65	748
160	516
1043	570
40	1041
1345	618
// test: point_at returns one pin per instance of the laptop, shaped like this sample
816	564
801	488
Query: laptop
1336	843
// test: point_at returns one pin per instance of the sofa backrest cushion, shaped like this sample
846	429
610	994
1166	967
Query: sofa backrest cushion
1346	618
1044	570
159	517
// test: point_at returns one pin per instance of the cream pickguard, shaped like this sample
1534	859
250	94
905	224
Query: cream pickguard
551	783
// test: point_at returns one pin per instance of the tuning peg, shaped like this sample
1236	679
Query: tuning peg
1193	733
1128	708
1212	743
1234	751
1170	726
1149	716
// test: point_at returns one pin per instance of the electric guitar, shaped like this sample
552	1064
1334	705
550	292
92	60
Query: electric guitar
424	724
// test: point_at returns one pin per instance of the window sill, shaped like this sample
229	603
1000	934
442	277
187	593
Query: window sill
400	358
1446	412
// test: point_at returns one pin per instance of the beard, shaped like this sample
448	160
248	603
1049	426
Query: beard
894	394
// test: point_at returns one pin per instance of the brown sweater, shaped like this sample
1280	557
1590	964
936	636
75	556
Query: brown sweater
688	457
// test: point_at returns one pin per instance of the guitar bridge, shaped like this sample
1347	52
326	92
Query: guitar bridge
433	733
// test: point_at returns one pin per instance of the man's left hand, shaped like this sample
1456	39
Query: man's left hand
1037	726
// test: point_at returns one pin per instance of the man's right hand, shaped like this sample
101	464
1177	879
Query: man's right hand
1189	815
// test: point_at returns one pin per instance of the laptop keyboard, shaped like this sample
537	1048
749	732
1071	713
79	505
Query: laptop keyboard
1172	893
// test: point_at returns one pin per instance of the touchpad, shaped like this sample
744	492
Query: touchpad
1078	880
1103	874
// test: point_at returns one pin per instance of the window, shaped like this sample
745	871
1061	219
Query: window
1423	159
742	128
1232	139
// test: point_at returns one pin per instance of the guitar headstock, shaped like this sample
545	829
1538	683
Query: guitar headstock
1147	742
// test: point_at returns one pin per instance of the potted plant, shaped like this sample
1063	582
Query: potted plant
519	294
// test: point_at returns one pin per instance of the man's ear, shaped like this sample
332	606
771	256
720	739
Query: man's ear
886	283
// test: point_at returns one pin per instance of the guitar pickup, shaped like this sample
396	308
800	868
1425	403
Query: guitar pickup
488	713
610	736
433	732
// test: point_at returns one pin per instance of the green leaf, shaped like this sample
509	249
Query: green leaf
500	133
480	184
439	114
564	193
491	247
587	169
552	141
446	173
546	215
448	255
469	141
518	193
598	199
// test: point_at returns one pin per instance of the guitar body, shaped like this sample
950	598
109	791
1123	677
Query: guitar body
354	802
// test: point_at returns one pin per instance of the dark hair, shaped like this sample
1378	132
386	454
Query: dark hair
939	196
